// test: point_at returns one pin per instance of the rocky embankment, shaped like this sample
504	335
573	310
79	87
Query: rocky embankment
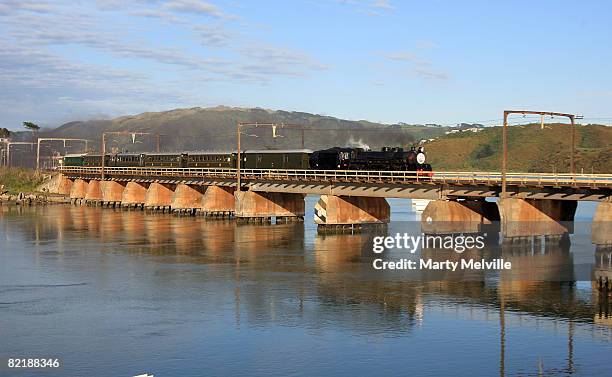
26	187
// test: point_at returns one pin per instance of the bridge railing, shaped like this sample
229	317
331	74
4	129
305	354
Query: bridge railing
478	178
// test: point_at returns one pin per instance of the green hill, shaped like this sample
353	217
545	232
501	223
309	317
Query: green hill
530	149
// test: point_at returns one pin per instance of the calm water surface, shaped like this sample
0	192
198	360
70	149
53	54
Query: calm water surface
117	293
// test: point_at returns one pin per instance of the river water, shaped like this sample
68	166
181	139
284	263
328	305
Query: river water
117	293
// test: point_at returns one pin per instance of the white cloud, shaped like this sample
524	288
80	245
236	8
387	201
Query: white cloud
212	36
369	7
14	6
50	62
195	6
382	4
417	65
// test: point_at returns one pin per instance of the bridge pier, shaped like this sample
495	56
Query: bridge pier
159	197
466	216
218	202
602	224
134	194
187	199
533	217
350	213
64	186
601	236
112	193
78	190
261	207
94	193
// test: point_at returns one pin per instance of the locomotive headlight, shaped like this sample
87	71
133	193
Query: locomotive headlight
421	158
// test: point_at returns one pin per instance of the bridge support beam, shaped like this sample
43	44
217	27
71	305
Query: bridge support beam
187	199
218	202
466	216
339	213
134	194
602	224
112	192
78	190
536	217
94	192
256	207
159	196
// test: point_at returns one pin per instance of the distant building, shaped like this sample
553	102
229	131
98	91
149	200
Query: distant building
471	129
423	141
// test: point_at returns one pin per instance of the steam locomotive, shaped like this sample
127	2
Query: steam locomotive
337	158
360	159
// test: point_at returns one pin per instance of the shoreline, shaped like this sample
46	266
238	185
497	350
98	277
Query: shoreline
30	199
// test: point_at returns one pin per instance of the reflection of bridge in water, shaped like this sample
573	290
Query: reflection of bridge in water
329	279
337	261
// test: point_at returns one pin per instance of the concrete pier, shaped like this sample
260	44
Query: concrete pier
218	202
529	217
112	193
467	216
94	192
134	194
78	190
159	197
339	213
261	207
64	186
187	199
602	224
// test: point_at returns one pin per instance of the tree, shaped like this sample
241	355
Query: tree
4	133
31	126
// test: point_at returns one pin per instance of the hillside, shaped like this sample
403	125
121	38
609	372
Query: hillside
215	129
530	149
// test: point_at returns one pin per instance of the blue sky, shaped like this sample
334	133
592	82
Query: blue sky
390	61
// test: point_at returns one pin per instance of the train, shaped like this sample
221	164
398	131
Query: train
336	158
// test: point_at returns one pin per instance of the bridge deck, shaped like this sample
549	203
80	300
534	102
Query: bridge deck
375	183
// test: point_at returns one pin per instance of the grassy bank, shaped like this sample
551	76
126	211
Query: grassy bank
16	180
530	149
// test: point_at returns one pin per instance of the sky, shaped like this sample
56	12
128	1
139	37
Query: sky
387	61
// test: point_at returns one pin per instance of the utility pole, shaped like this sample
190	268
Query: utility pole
505	153
8	149
54	139
302	138
103	155
134	134
572	117
240	126
239	160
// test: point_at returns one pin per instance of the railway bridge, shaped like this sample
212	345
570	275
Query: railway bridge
534	203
